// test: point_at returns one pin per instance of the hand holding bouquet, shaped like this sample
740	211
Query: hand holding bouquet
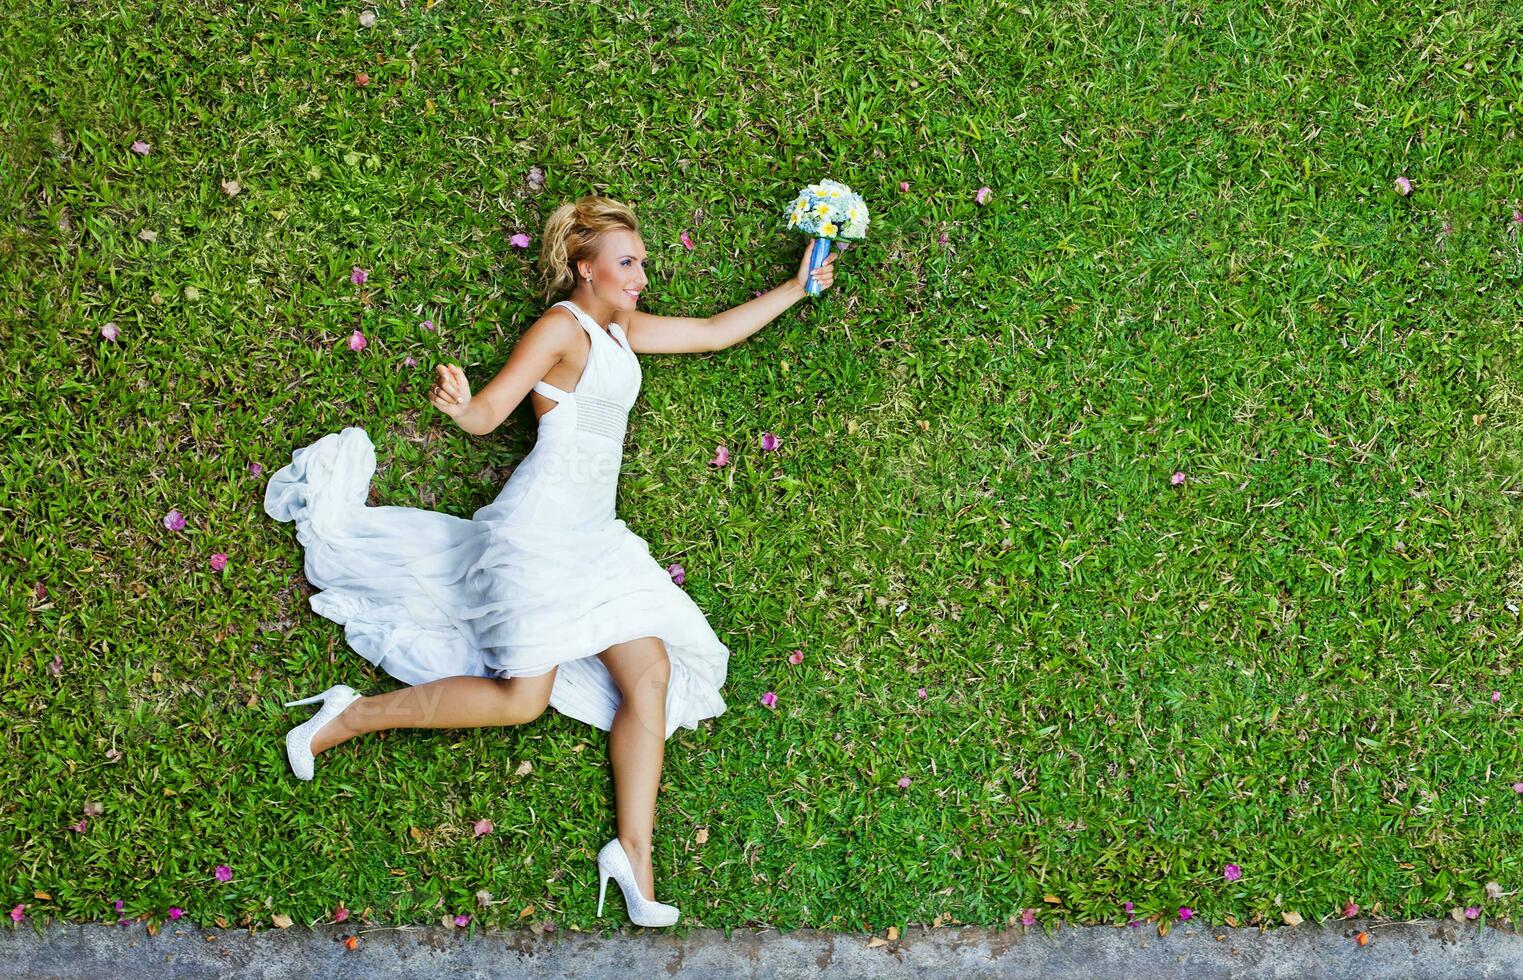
830	212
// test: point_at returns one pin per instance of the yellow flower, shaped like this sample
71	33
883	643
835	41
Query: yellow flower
822	209
828	229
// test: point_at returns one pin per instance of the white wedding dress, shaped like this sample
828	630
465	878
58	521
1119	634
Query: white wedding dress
545	576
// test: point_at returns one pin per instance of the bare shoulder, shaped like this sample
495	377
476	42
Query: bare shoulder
557	327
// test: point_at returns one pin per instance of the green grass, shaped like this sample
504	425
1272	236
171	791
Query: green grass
1193	260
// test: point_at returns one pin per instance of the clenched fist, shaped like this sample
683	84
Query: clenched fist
824	275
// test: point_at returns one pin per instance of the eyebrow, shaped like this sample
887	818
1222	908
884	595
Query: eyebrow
629	257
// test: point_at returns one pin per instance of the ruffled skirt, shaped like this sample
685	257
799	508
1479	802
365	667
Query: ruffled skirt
425	595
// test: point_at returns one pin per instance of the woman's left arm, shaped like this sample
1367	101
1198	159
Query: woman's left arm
650	334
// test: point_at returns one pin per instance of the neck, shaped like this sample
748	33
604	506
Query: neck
601	311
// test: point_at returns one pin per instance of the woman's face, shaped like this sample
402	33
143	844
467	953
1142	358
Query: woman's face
618	273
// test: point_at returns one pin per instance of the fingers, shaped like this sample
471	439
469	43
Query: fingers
450	388
823	274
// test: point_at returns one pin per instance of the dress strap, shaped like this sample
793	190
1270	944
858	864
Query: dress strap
550	391
576	311
588	323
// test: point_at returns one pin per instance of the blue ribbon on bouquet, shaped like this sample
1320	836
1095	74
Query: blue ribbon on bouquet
819	251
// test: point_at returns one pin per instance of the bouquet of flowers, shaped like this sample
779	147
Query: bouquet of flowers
830	212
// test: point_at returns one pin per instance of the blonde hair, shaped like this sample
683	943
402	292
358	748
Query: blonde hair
573	233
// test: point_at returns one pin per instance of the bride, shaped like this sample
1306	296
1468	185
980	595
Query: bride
543	598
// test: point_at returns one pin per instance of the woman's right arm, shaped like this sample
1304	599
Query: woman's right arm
540	348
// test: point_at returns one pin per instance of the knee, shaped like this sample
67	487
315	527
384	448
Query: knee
653	671
659	670
529	696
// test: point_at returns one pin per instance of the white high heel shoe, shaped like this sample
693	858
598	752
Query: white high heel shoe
299	739
613	862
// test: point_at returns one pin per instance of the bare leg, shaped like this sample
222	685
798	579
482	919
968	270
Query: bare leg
453	702
637	746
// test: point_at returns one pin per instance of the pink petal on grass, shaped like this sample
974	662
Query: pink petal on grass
218	561
687	241
1403	186
921	694
109	332
357	341
174	520
340	913
1350	910
224	873
1185	912
141	148
79	828
358	276
1028	917
18	913
41	592
796	657
255	469
1496	696
462	921
56	667
982	197
943	239
769	699
1232	872
409	361
519	240
769	442
1176	479
175	912
1473	912
427	325
1517	217
721	456
904	187
1517	787
904	782
481	828
677	572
